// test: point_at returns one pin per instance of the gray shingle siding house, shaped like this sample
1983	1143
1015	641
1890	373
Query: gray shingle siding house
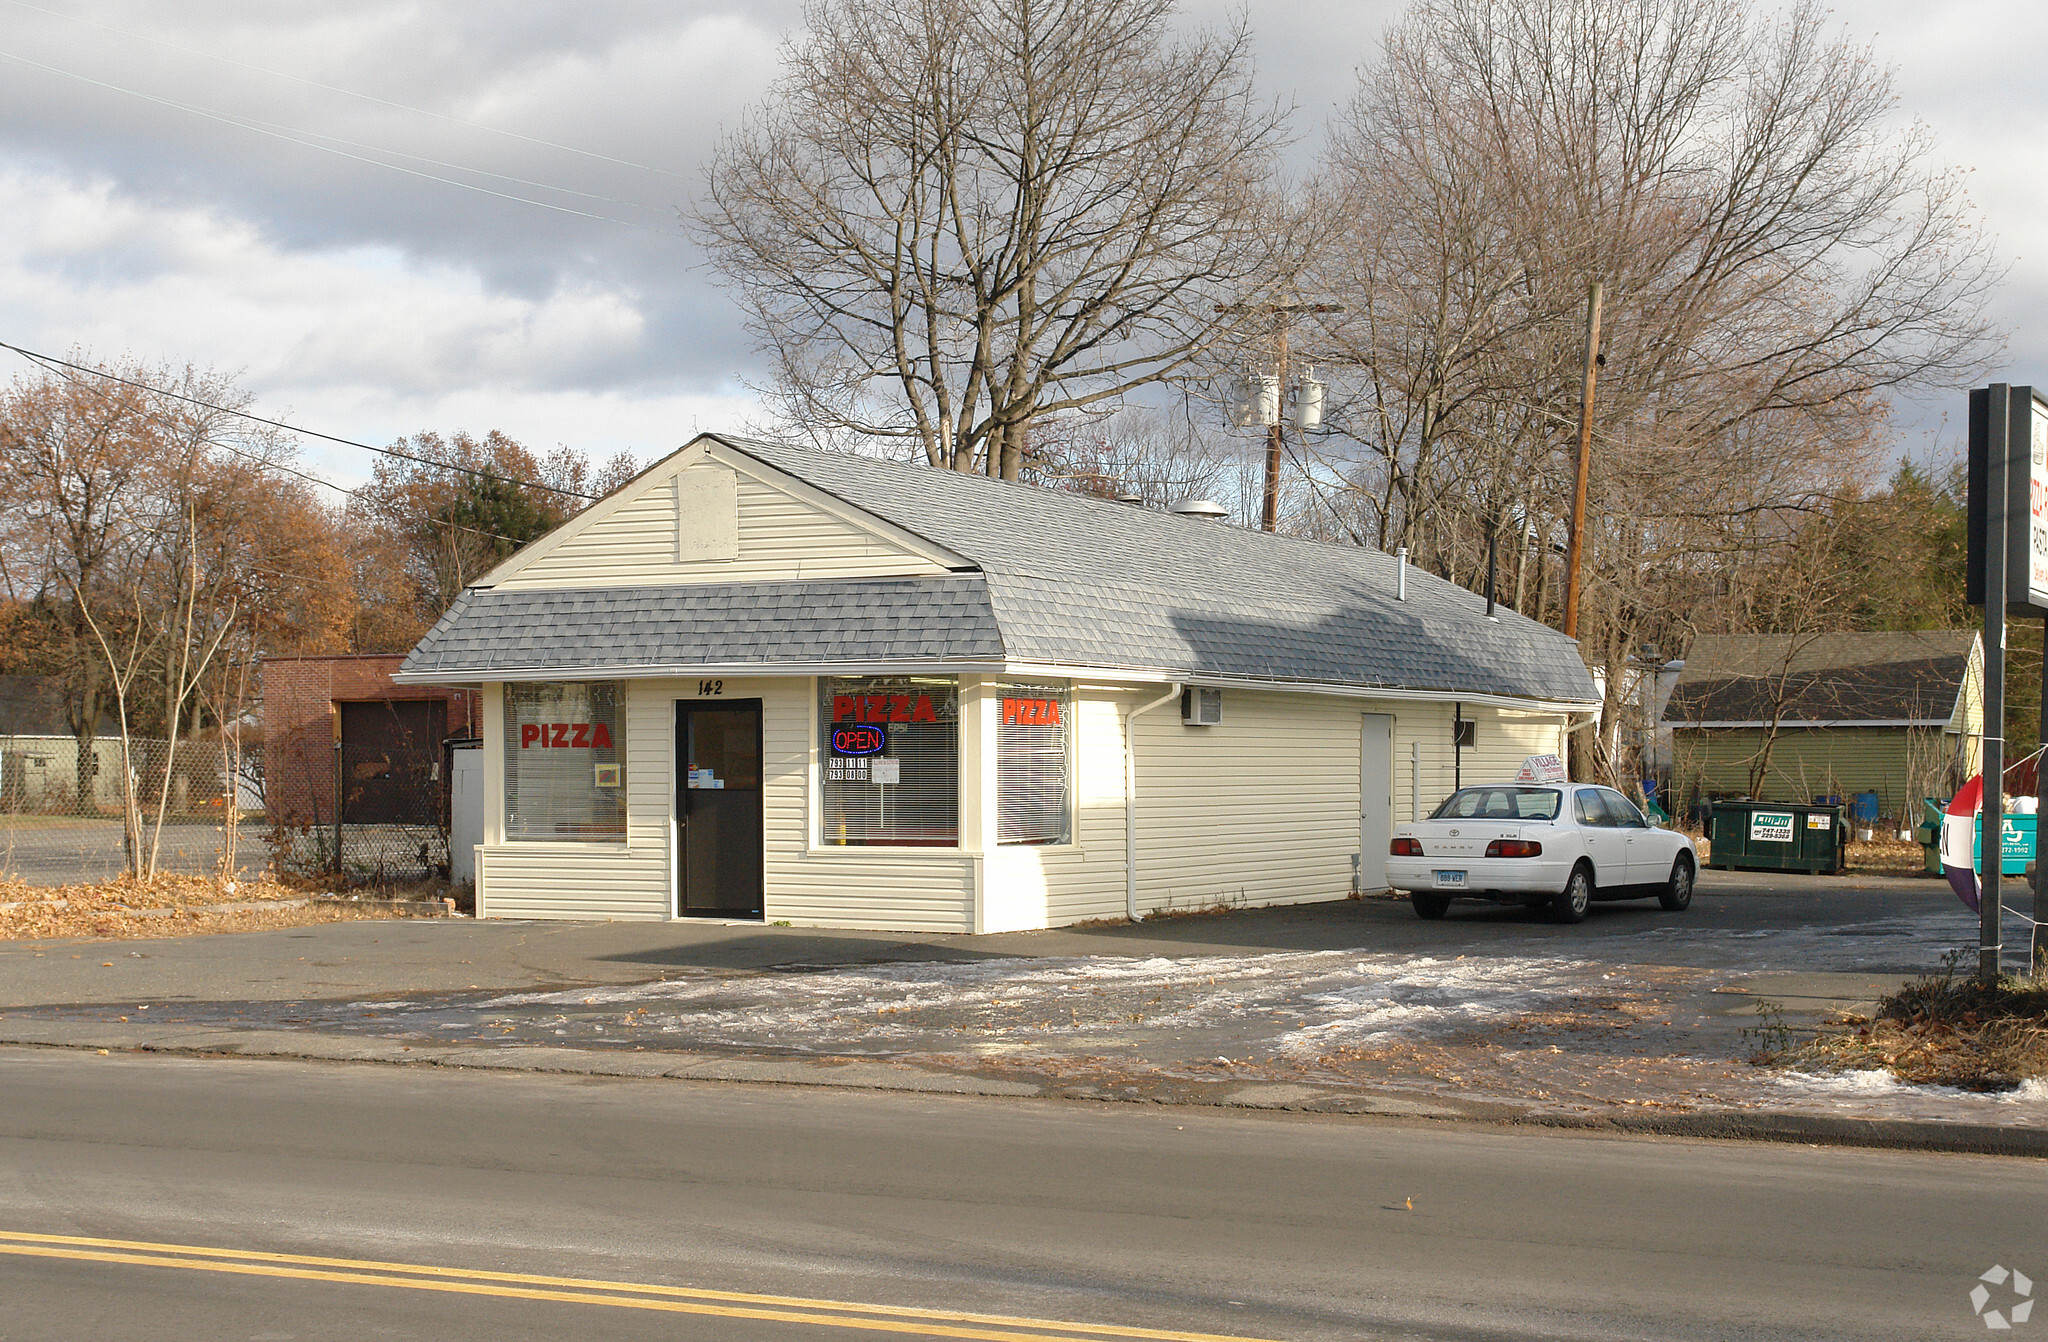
842	691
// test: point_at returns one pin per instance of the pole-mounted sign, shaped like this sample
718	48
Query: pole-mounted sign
2009	428
2007	574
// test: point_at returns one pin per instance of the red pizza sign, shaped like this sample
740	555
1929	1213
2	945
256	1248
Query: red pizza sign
883	708
1031	712
565	736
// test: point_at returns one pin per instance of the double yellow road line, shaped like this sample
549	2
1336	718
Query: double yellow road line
582	1291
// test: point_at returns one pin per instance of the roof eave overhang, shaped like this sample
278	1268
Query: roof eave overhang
975	666
1808	723
672	670
1283	684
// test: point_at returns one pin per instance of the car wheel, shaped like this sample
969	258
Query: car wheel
1428	905
1677	892
1569	906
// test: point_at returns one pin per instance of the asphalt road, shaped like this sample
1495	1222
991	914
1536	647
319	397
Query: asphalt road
382	1196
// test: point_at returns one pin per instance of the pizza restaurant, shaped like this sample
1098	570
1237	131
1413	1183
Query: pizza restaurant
907	769
766	683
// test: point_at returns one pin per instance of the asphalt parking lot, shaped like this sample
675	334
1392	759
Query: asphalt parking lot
1738	921
1356	1005
47	850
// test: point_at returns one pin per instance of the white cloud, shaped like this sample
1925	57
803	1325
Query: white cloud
357	341
373	303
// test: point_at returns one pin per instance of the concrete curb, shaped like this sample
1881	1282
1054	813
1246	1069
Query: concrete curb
1895	1134
885	1075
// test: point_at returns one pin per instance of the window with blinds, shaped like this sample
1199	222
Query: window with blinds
565	753
889	752
1034	764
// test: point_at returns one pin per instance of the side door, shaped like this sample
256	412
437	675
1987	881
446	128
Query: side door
1375	799
1605	841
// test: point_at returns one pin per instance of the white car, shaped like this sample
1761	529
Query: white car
1558	846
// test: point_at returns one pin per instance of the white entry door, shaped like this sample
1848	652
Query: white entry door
1375	799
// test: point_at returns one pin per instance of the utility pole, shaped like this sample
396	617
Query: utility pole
1571	581
2037	940
1269	512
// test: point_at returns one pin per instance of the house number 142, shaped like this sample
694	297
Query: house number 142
710	687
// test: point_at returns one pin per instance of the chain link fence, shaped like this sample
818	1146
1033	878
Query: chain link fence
61	801
389	826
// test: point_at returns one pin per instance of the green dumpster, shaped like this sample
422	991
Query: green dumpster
1772	836
2016	847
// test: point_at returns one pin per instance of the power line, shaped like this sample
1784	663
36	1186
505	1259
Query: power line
293	428
269	465
292	137
351	93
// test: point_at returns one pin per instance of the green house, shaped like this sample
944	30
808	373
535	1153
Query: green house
1788	717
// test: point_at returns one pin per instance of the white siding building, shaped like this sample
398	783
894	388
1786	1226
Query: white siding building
766	682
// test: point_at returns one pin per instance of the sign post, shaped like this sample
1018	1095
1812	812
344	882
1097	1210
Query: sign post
2027	433
2008	575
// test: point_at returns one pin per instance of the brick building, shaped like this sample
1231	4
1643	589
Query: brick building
391	732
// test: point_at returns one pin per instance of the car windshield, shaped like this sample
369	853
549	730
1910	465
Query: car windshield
1499	803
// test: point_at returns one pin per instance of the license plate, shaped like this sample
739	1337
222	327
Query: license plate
1450	878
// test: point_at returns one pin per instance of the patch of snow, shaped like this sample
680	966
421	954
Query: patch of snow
1875	1083
1859	1084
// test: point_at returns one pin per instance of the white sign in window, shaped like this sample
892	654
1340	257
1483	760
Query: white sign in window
565	772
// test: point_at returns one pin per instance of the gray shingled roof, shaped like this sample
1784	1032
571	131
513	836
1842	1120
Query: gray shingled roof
1077	581
869	622
1891	676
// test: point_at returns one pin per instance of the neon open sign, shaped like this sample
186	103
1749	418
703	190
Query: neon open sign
858	740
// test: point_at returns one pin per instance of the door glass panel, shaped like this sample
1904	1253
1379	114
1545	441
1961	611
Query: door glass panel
725	749
1592	812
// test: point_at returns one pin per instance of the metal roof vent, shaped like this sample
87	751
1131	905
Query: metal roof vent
1200	508
1135	500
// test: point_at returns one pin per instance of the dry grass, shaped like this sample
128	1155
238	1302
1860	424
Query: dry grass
1944	1029
168	906
1888	855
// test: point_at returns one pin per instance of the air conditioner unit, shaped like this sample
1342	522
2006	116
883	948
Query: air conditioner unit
1201	708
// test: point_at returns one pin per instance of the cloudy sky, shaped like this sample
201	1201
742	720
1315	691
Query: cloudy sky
265	188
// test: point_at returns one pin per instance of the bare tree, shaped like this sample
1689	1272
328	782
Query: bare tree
149	526
955	216
73	453
1778	258
1135	453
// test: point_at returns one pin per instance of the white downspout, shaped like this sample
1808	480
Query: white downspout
1131	801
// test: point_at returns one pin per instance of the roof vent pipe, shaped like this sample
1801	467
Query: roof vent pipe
1135	500
1200	508
1401	573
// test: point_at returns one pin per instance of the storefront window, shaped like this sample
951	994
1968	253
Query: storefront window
1034	765
565	751
890	761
